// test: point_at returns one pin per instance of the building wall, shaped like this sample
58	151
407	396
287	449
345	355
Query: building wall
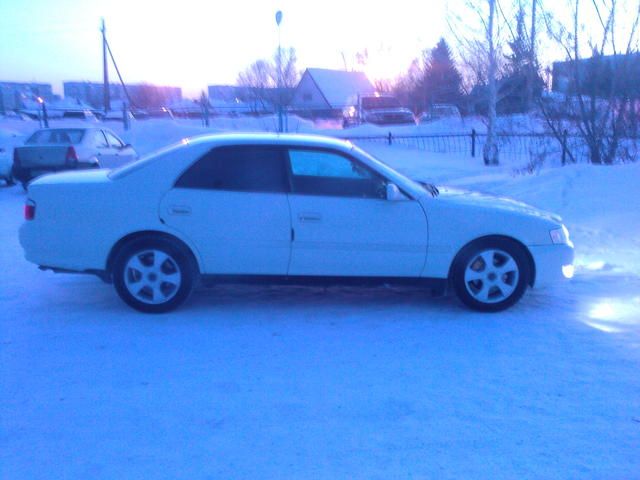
142	95
307	96
13	94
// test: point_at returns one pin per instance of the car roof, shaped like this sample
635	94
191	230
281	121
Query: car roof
305	140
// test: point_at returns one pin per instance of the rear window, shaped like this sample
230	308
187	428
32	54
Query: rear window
61	136
243	168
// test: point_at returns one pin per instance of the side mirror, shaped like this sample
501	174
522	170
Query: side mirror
394	194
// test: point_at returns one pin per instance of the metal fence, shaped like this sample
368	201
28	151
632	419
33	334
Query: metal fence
525	146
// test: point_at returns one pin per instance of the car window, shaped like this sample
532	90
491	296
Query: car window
56	135
238	168
113	140
99	140
321	172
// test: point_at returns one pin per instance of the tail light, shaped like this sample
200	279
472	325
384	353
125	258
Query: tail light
29	210
16	158
72	156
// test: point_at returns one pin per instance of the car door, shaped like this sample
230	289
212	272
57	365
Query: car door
99	147
123	153
344	225
232	204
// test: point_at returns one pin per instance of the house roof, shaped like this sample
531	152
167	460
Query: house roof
340	88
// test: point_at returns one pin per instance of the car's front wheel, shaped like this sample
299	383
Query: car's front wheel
490	275
154	275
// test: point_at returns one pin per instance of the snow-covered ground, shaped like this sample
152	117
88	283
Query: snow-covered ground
264	382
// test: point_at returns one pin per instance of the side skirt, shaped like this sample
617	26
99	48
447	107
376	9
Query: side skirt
438	286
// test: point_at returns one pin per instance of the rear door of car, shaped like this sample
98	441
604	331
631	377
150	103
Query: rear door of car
232	204
344	225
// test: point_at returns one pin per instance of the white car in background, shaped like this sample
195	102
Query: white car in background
70	148
284	208
7	142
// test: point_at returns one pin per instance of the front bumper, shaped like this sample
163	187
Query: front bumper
553	263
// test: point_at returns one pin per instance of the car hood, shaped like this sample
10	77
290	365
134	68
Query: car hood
73	177
469	198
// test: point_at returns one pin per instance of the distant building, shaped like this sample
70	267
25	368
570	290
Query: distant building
142	95
597	75
13	95
324	92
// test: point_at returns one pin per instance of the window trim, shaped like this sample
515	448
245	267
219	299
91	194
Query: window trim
339	153
106	134
283	162
104	137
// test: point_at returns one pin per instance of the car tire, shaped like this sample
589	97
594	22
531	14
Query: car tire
154	275
491	274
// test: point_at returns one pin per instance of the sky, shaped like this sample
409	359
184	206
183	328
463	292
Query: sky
192	43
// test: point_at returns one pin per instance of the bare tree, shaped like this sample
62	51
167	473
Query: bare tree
490	149
601	95
261	78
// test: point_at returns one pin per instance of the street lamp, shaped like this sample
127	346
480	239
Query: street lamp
45	116
280	123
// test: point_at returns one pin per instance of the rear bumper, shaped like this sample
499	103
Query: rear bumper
553	263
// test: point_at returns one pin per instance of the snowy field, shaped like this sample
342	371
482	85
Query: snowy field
311	383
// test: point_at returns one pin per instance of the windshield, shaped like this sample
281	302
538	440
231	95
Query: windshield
370	103
63	136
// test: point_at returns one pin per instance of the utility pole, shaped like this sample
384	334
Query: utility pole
105	69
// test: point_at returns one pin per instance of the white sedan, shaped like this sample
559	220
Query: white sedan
284	208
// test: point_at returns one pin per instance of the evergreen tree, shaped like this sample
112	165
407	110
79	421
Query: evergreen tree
442	82
521	69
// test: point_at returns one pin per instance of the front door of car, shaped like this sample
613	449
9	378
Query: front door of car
232	204
121	152
343	223
99	146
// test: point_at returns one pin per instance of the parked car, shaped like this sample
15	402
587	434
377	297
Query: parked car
284	208
7	142
438	112
5	165
377	109
85	114
55	149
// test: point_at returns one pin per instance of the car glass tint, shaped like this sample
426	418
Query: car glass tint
239	168
113	140
324	164
58	136
99	140
318	172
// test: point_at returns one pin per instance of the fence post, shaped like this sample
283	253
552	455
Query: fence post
389	138
473	142
564	147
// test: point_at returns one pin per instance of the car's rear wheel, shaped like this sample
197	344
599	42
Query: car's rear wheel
154	275
490	275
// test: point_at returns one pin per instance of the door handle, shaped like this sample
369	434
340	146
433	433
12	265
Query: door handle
179	210
309	217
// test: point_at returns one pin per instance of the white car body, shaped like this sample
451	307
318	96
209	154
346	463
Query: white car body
81	216
7	141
